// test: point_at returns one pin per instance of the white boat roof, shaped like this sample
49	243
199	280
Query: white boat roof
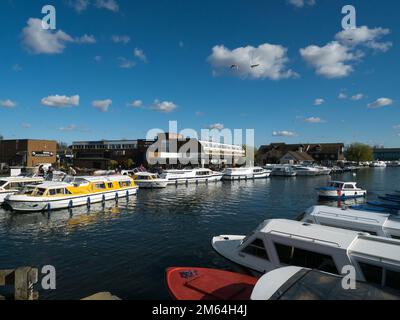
343	182
355	243
385	220
145	174
52	184
21	179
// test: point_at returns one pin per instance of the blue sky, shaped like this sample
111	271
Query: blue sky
115	69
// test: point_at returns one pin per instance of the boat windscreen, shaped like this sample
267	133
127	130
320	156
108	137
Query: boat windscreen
2	183
316	285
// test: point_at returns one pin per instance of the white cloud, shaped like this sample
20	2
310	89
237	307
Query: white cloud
57	101
9	104
379	103
111	5
37	40
138	53
79	5
284	134
364	36
319	101
342	95
86	39
357	97
71	127
163	106
102	105
314	120
301	3
97	58
26	125
330	60
265	61
218	126
121	39
136	104
125	63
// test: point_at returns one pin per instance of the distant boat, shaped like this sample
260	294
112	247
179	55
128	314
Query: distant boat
378	164
186	176
245	173
283	171
341	190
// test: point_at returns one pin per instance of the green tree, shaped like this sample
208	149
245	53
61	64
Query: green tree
112	164
359	152
130	163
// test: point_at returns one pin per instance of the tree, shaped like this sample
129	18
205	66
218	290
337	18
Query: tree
130	163
113	164
359	152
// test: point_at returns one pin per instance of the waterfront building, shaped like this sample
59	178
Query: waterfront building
386	154
324	153
100	154
295	157
28	152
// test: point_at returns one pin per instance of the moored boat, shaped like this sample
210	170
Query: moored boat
245	173
283	171
186	176
12	185
72	192
149	180
341	190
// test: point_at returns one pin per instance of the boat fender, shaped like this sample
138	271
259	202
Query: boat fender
116	197
70	204
187	182
103	198
207	181
88	202
49	207
127	194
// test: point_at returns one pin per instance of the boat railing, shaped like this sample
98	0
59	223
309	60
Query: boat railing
305	238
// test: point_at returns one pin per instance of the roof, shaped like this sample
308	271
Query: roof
300	156
307	147
21	179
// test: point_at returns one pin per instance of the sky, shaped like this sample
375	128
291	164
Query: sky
114	69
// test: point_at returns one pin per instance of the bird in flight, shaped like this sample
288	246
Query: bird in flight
254	66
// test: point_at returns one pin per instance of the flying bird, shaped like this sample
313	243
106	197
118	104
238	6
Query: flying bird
254	65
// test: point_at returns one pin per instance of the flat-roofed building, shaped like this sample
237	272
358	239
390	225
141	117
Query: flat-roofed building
28	152
387	154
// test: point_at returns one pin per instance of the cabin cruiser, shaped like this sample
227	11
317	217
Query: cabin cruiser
306	171
185	176
378	164
283	171
72	192
324	171
341	190
149	180
279	242
12	185
380	224
245	173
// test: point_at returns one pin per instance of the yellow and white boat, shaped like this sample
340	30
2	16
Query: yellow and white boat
72	192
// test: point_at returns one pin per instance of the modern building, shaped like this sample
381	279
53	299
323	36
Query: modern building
102	154
28	152
174	150
387	154
324	153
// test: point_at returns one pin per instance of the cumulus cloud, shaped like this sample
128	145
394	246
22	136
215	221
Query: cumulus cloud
125	63
9	104
379	103
57	101
319	101
264	61
301	3
121	39
331	60
342	95
78	5
283	134
102	105
138	53
71	127
37	40
111	5
218	126
364	36
357	97
163	106
314	120
135	104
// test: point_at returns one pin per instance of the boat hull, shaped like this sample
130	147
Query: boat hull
190	180
327	193
29	204
208	284
151	184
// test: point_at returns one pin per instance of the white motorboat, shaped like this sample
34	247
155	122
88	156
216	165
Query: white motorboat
186	176
378	164
283	171
277	243
375	223
324	171
305	171
12	185
341	190
245	173
149	180
73	192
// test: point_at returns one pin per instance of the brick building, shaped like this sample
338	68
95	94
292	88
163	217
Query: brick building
28	152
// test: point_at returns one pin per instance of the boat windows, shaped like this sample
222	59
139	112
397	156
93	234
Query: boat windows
56	192
109	185
393	279
2	183
371	273
395	237
125	184
39	192
348	186
257	249
100	185
303	258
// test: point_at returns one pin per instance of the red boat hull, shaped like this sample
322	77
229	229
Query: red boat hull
208	284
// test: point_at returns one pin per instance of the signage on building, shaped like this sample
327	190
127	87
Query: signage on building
42	154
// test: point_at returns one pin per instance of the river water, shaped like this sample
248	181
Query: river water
125	248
